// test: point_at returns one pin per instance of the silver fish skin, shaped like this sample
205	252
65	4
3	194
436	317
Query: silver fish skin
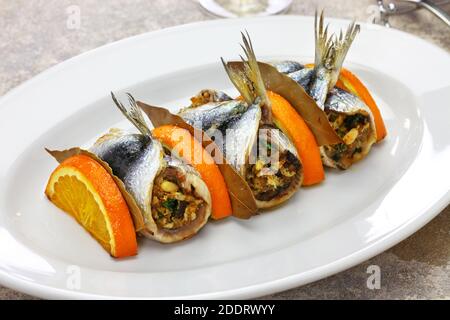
296	71
177	163
287	66
237	123
345	102
136	160
213	115
319	86
303	77
240	137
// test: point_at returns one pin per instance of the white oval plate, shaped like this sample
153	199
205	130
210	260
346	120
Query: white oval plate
351	217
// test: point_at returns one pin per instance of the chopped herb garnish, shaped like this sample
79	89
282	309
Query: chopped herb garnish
352	121
336	157
170	204
179	213
339	149
357	150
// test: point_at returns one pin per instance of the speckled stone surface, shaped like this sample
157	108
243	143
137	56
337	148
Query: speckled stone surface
35	37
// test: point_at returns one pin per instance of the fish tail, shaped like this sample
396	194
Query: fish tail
252	69
331	50
249	82
240	81
341	47
323	43
133	114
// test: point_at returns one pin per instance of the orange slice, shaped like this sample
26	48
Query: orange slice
350	82
186	146
292	124
83	188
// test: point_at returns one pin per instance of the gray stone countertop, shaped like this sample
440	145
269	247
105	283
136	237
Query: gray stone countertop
34	37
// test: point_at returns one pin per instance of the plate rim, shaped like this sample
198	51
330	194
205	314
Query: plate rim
384	243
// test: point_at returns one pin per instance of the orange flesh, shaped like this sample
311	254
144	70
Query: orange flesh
186	146
291	123
83	188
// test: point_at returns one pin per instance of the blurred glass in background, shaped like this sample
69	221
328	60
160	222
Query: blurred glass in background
389	8
240	8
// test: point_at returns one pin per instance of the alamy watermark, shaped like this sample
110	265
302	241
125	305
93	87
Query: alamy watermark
73	279
73	21
374	280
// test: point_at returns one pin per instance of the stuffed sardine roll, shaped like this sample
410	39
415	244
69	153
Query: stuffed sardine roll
173	199
349	116
243	130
